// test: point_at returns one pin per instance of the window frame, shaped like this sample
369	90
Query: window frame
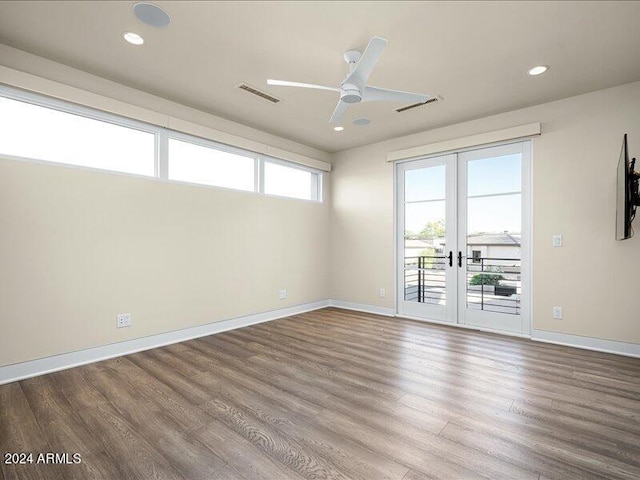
71	108
162	136
210	144
277	161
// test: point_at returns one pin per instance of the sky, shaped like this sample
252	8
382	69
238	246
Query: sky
495	176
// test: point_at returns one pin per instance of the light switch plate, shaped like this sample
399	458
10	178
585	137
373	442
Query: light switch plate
557	240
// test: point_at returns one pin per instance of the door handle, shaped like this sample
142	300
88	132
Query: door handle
450	258
459	258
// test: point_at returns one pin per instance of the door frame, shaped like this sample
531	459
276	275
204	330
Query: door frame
526	245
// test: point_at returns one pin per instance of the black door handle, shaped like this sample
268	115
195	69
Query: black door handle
450	258
460	259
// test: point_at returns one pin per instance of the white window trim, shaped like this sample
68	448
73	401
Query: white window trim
456	145
75	109
203	142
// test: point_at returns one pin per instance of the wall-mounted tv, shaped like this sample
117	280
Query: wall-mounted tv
628	197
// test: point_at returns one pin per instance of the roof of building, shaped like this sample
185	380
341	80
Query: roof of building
494	239
476	239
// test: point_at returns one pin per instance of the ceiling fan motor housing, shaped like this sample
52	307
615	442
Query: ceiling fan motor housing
350	93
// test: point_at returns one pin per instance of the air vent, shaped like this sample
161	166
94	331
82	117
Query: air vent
258	93
416	105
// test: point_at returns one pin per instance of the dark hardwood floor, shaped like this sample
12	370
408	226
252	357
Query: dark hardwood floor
334	394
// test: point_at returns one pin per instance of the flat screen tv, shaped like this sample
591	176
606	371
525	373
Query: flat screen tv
627	193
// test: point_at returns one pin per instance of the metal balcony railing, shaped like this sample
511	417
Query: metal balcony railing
425	279
492	284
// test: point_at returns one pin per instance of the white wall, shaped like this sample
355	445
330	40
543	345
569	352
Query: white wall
593	277
78	247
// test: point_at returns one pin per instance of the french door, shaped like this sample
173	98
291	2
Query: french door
463	238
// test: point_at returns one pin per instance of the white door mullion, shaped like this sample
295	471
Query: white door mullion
461	254
452	238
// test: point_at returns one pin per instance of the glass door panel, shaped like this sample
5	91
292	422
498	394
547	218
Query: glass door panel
425	278
493	253
491	238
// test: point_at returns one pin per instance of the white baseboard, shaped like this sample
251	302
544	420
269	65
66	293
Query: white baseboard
361	307
32	368
577	341
41	366
587	343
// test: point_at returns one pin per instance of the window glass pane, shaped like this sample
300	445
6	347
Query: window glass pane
208	166
489	176
494	215
42	133
424	184
290	182
425	220
424	246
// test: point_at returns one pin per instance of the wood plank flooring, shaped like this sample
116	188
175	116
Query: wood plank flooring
334	394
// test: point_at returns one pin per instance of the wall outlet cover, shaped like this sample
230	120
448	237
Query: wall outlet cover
123	320
283	294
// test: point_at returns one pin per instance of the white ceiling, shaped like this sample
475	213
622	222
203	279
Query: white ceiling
474	54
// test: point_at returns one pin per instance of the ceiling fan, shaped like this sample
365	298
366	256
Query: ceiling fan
354	88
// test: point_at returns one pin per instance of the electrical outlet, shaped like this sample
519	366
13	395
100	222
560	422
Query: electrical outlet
382	293
557	313
283	294
123	320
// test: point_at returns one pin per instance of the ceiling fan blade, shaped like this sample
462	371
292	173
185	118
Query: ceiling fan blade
374	94
339	112
367	61
284	83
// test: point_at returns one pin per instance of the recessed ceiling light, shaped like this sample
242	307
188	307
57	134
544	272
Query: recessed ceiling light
538	70
151	14
361	122
338	129
133	38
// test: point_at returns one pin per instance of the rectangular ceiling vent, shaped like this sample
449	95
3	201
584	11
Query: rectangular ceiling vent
416	105
258	93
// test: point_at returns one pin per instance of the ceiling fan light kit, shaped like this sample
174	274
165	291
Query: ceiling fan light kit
354	88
